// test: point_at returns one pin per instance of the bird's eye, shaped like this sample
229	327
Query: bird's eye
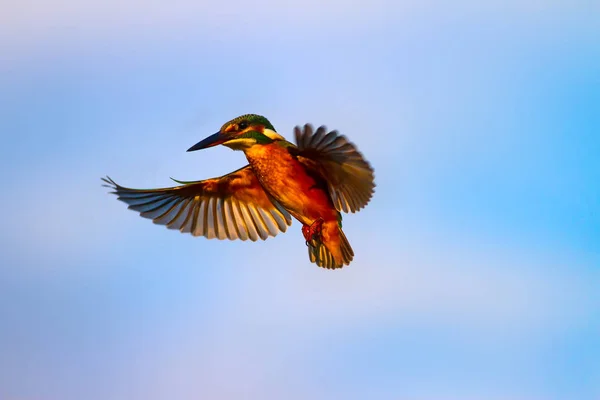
242	125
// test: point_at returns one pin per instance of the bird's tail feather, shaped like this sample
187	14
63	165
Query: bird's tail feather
333	254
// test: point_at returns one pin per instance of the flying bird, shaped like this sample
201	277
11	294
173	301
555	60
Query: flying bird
314	181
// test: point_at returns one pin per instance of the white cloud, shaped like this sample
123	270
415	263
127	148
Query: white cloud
32	20
35	20
277	310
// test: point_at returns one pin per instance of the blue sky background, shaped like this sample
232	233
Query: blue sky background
477	262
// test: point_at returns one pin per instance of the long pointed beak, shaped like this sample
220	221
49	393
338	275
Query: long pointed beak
212	140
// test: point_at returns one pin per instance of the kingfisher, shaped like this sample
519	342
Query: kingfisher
314	181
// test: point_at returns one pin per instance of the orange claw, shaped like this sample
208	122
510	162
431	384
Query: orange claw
313	231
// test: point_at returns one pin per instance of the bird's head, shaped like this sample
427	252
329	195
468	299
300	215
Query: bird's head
241	133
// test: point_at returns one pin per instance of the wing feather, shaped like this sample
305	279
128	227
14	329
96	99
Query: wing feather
349	176
233	206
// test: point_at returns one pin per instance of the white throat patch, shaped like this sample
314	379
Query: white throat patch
271	134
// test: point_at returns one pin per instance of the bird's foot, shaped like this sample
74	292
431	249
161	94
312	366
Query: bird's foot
313	231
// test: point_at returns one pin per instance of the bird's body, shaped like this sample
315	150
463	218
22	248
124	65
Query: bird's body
313	181
302	194
288	181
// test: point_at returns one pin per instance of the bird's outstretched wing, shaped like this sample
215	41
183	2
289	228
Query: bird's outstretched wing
234	206
349	176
